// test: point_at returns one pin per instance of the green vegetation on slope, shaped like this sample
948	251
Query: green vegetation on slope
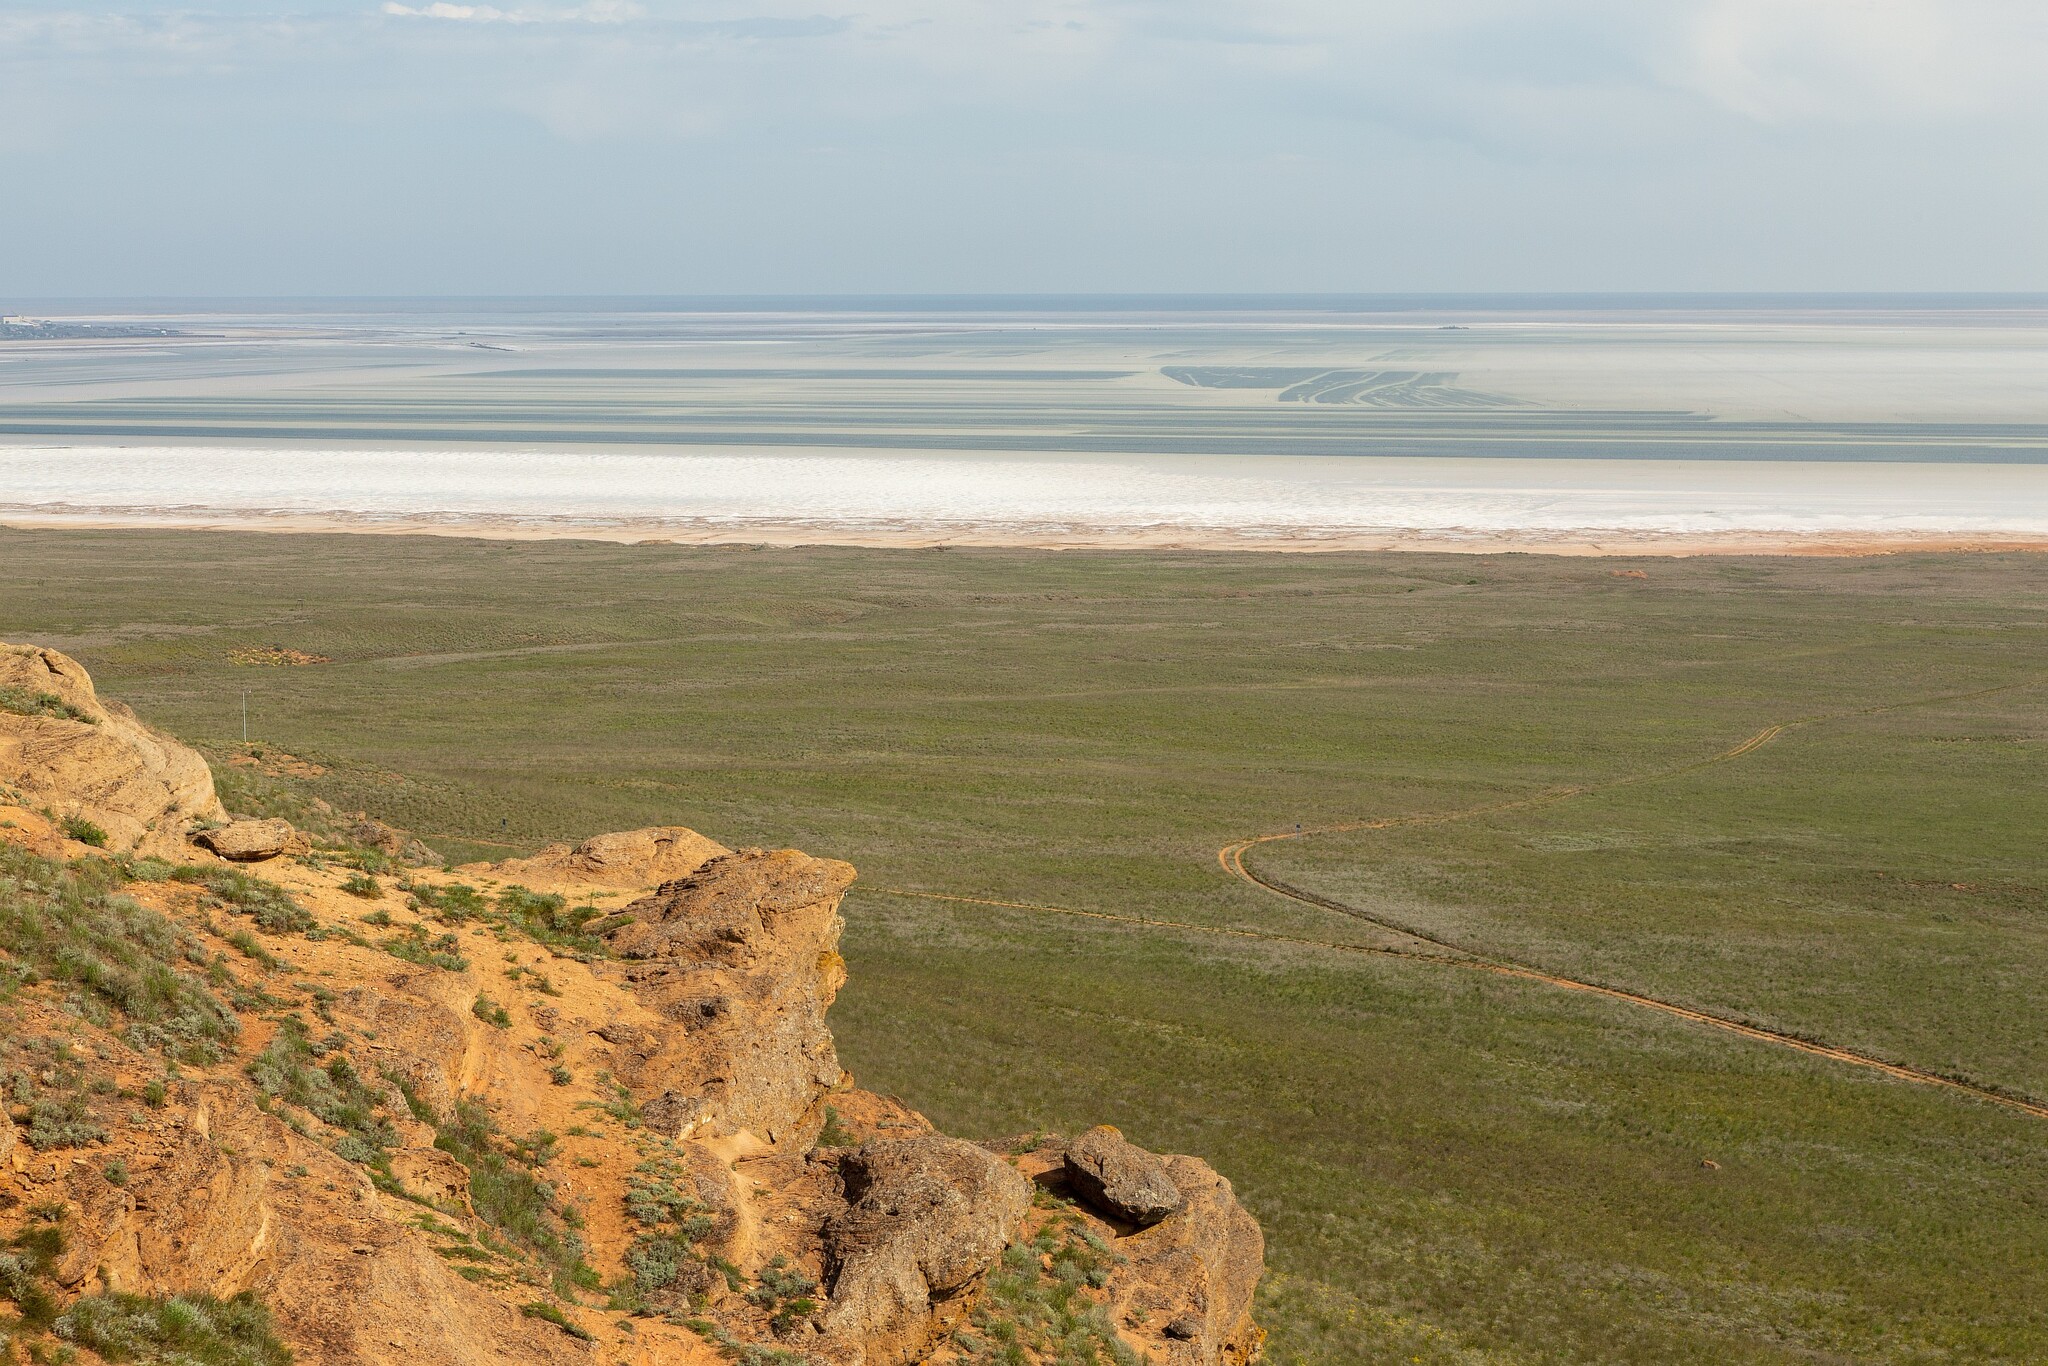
147	1330
68	924
1449	1167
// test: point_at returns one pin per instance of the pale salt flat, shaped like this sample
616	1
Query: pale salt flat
1308	423
969	496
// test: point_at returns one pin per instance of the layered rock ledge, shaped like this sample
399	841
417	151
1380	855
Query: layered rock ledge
578	1107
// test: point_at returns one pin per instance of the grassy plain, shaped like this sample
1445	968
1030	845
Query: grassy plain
1449	1167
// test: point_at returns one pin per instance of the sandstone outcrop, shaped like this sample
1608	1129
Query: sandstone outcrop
927	1216
253	841
397	845
94	761
1121	1178
630	860
1194	1273
740	962
1182	1290
423	1130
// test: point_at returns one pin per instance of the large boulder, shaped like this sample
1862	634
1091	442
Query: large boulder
740	960
62	748
1122	1179
926	1218
624	859
252	841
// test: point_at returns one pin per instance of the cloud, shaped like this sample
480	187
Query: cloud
1505	79
597	12
1866	60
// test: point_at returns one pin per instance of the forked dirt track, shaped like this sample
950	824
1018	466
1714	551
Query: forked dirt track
1232	859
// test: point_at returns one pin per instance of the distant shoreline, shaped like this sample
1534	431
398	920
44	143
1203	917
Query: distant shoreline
1587	542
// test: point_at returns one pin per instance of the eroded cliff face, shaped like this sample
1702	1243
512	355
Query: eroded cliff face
740	961
64	749
578	1107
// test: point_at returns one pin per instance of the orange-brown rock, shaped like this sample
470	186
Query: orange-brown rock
1181	1290
926	1218
396	844
215	1196
1122	1179
1190	1278
739	962
629	860
95	761
253	841
679	1083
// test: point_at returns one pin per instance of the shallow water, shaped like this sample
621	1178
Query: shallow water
1258	419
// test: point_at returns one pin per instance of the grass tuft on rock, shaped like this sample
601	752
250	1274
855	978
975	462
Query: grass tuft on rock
1037	1308
508	1192
271	906
183	1330
22	702
65	924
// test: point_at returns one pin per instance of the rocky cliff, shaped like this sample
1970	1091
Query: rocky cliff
273	1098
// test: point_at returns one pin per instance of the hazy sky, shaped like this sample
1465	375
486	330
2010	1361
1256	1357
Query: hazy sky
688	146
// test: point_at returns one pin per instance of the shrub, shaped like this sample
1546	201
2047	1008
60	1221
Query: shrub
333	1093
413	946
507	1195
61	923
249	946
84	831
835	1134
456	901
270	905
181	1330
349	1148
362	885
671	1222
548	919
621	1105
491	1013
1034	1305
24	1269
25	703
784	1292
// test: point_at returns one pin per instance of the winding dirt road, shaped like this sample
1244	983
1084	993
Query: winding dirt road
1445	953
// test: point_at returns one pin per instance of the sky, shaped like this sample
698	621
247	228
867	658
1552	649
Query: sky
348	147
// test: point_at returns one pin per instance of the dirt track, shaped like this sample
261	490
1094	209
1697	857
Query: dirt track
1451	955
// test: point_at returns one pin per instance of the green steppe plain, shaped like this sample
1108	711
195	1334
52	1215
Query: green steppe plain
1450	1167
